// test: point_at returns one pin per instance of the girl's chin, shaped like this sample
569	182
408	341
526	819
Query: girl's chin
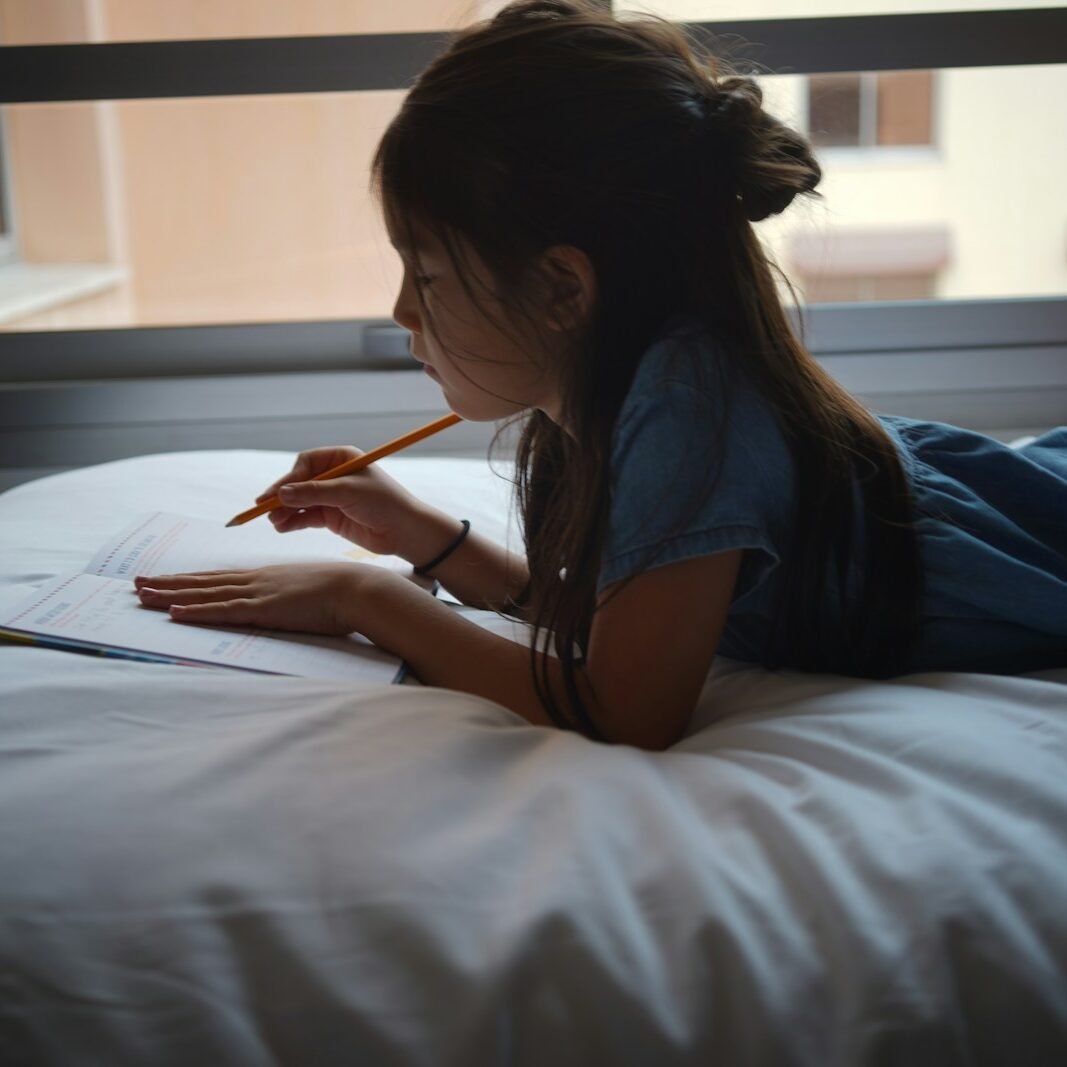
474	405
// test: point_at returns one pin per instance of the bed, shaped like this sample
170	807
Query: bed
212	867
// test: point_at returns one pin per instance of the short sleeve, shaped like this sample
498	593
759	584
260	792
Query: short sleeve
696	469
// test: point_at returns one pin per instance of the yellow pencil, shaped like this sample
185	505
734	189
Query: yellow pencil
357	464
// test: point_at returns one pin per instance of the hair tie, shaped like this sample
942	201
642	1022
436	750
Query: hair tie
425	568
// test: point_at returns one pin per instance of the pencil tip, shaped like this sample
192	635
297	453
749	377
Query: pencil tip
232	522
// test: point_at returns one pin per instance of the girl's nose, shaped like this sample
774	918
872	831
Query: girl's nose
406	309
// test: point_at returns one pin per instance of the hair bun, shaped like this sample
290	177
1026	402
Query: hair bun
736	101
774	163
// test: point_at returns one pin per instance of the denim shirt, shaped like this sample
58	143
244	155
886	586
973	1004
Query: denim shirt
992	520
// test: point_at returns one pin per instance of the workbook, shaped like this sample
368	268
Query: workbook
98	611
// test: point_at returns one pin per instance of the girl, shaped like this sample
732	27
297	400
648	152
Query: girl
573	198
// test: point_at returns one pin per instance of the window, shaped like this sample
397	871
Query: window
871	110
125	146
183	196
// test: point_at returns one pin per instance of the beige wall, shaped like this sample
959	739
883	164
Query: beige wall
44	21
221	209
57	181
255	207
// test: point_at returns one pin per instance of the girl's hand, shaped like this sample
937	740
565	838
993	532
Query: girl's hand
368	508
318	598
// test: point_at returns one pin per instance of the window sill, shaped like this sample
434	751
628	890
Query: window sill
26	289
880	155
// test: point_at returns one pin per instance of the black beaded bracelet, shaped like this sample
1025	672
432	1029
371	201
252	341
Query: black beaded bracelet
438	560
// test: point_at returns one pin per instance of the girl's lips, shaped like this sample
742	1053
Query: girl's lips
425	366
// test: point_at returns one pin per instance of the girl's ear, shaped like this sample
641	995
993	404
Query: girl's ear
570	286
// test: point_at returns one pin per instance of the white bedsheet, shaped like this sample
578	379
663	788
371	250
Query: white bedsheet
204	867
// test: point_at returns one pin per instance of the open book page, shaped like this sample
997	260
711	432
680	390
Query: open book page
100	611
162	543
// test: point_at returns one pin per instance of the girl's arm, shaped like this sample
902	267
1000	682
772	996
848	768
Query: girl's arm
649	654
479	572
653	643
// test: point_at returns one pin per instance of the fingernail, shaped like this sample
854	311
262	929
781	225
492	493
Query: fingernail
286	492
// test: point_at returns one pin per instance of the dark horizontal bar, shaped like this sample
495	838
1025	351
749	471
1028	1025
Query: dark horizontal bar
150	69
930	41
41	73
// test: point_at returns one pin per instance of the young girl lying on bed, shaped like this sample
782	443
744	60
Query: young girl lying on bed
573	200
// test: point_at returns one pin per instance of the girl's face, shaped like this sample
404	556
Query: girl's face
484	370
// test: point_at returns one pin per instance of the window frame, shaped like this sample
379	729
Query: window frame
868	144
346	62
160	69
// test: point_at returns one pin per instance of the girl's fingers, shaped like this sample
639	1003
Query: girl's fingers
300	472
304	470
286	521
297	520
195	579
272	489
161	598
279	517
238	612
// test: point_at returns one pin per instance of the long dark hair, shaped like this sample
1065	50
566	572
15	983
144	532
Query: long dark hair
554	123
